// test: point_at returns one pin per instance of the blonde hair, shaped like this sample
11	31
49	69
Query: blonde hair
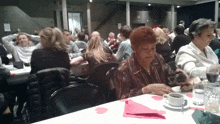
52	38
96	49
160	35
30	43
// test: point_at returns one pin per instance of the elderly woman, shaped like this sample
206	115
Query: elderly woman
144	71
54	51
22	48
96	53
197	55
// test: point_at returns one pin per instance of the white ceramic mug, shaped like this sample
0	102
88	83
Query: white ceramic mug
174	99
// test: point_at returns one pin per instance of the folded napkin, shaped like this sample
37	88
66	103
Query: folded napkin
201	117
136	110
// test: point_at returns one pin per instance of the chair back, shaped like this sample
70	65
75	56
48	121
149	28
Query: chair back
100	75
40	86
75	97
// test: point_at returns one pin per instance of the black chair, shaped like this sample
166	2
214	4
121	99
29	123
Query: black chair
3	55
101	76
39	89
75	97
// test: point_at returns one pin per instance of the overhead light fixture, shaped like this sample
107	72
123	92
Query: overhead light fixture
149	4
218	1
90	0
178	6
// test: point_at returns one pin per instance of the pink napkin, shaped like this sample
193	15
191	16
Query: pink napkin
136	110
158	98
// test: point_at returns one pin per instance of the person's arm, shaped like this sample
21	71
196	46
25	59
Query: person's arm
75	50
8	43
187	63
121	51
35	38
77	61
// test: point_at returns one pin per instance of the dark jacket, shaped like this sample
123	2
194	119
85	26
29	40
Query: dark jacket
46	58
40	87
179	41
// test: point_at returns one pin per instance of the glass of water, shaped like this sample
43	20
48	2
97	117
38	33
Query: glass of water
211	98
198	93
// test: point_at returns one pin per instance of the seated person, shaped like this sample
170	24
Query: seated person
144	71
96	53
80	42
22	48
73	50
162	46
124	49
197	55
54	51
180	40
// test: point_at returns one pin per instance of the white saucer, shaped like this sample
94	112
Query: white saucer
176	89
166	104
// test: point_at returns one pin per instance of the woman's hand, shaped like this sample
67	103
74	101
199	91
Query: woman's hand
157	89
181	77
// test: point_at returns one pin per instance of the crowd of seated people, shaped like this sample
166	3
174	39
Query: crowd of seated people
143	54
96	53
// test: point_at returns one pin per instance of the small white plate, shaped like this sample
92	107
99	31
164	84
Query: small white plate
176	89
166	104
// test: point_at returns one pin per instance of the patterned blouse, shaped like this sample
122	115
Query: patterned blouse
130	77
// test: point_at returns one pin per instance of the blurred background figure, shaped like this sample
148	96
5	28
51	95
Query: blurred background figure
22	48
162	46
167	32
81	44
182	23
54	51
73	50
180	40
96	53
124	49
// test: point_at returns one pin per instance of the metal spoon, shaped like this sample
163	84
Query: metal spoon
184	104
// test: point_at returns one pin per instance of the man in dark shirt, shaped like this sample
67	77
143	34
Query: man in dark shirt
180	40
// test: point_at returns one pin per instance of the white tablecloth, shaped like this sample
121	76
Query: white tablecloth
80	70
114	114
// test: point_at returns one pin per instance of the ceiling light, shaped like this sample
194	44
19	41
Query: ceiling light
178	6
149	4
90	0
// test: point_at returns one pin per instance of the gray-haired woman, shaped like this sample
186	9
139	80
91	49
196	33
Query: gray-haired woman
195	57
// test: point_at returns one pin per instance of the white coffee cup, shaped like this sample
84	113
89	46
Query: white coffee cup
174	99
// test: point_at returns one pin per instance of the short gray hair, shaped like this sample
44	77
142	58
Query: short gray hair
199	25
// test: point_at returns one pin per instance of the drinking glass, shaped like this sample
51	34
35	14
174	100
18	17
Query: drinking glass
212	73
212	98
198	93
